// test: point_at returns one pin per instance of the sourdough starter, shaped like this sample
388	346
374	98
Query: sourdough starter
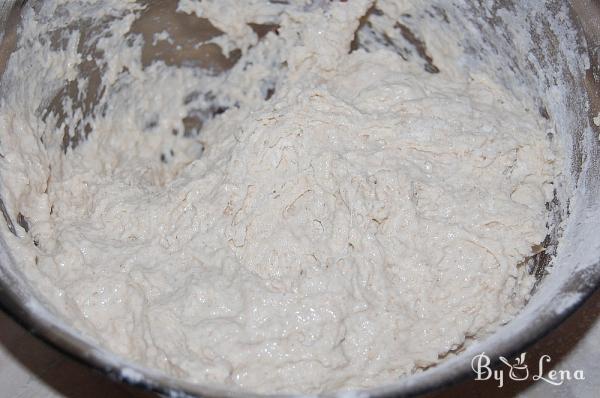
321	209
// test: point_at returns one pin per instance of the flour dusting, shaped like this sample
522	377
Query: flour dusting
322	204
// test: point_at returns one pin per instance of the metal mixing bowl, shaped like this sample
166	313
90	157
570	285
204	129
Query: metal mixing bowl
569	269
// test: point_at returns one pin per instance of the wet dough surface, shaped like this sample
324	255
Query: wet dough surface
297	212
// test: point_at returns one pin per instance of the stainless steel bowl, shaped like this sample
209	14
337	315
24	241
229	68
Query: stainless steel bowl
562	69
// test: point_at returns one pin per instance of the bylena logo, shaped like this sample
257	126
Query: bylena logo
520	371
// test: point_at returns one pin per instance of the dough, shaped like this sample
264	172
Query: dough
307	214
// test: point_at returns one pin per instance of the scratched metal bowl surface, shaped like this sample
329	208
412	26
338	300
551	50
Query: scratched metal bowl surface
568	271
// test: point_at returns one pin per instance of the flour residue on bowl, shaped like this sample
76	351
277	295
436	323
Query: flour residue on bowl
308	197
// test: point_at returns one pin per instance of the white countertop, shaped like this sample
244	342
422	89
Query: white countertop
31	369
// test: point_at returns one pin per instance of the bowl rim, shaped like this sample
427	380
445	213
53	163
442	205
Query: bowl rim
69	342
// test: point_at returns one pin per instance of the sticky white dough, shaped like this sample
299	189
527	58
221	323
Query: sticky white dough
361	224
